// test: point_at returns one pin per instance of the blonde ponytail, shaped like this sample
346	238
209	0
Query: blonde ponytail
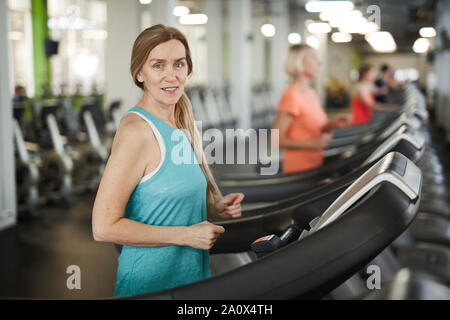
184	119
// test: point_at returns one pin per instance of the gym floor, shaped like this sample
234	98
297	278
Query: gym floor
36	254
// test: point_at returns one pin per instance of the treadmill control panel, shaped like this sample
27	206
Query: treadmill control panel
394	168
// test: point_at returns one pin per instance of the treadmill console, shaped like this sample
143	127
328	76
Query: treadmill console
394	168
414	138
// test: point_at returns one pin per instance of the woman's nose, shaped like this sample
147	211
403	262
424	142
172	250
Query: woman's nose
170	74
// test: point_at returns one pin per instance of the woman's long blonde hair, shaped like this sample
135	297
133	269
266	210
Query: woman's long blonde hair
184	117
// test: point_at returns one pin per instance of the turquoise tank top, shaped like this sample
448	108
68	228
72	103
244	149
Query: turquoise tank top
172	195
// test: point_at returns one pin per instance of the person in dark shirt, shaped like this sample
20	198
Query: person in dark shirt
385	84
381	84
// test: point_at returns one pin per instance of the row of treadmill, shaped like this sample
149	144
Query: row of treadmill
371	223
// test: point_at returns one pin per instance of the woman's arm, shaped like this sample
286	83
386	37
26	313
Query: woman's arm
283	122
362	93
126	166
340	121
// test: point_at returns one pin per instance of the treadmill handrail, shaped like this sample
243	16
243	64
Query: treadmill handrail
403	122
415	138
400	121
321	171
20	143
385	170
94	137
58	143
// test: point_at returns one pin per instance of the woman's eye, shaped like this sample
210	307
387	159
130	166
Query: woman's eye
180	64
157	66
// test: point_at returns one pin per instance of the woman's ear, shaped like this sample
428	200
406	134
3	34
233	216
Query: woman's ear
139	77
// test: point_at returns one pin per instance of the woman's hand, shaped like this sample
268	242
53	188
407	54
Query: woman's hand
202	235
322	142
341	121
230	206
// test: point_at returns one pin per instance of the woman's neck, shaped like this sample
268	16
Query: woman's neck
164	112
366	82
301	82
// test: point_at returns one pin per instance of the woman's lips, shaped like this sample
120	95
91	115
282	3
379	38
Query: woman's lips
170	90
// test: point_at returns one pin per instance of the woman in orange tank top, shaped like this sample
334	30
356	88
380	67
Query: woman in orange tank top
304	129
363	100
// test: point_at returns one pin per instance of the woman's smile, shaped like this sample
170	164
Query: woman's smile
170	90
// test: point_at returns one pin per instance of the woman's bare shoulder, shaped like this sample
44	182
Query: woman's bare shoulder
132	121
358	89
133	132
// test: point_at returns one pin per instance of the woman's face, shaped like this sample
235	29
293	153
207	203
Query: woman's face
371	75
165	72
311	63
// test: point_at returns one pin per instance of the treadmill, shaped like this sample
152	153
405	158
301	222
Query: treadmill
377	208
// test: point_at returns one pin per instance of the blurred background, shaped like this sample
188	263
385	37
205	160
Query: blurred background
83	47
65	80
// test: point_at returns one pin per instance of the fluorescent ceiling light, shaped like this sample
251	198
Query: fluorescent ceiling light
326	15
145	1
330	14
268	30
338	19
359	25
341	37
381	41
319	6
421	45
319	27
180	11
369	27
355	25
198	18
313	42
294	38
427	32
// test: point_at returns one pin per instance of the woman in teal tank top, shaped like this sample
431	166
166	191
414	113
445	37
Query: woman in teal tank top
157	192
